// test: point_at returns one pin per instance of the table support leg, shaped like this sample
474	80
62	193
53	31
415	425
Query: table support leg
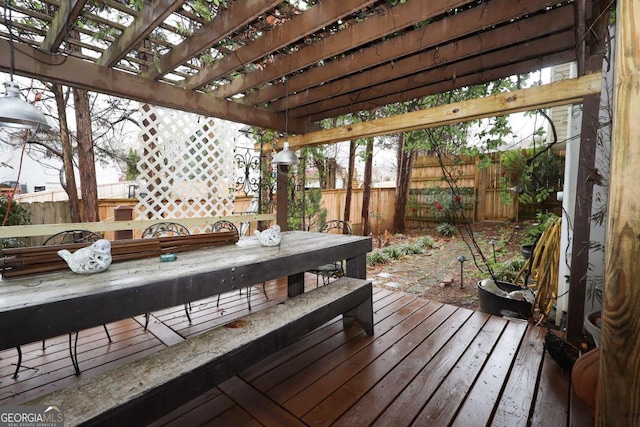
357	267
295	284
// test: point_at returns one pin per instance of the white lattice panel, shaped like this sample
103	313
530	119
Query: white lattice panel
186	166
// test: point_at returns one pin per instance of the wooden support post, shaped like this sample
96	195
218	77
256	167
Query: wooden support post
582	219
619	397
123	213
282	174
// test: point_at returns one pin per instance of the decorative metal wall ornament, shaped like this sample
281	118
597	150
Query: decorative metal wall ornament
249	177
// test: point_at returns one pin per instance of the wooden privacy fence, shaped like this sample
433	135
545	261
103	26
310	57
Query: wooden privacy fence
480	189
480	193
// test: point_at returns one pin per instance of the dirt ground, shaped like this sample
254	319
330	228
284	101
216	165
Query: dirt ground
427	274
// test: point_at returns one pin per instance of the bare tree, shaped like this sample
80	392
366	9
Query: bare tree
69	183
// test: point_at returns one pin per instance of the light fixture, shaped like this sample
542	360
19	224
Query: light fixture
461	260
285	157
14	112
493	247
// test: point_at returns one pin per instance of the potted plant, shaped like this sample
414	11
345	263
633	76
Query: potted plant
533	232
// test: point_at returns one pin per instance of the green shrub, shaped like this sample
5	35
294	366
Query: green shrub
508	270
392	252
377	257
410	249
445	229
17	216
425	242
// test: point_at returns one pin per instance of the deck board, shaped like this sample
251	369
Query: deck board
490	382
427	364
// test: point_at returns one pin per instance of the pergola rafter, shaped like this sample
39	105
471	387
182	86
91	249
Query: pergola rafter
338	57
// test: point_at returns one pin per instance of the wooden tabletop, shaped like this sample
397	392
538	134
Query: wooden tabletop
46	305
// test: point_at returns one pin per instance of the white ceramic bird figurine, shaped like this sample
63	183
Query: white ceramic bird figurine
270	236
92	259
490	286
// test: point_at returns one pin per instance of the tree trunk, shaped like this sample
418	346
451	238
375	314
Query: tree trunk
67	155
403	180
86	160
366	194
349	193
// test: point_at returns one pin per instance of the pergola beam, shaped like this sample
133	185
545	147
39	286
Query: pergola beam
150	18
526	40
560	93
469	75
396	19
329	80
68	12
222	25
300	26
74	72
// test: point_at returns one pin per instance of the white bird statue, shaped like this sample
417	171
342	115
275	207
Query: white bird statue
270	236
92	259
490	286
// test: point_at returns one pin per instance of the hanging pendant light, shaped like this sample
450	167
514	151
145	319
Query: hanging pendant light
286	157
14	112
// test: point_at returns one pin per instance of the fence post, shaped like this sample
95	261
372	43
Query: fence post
481	193
123	213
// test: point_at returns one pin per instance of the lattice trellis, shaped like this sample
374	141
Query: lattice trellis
186	166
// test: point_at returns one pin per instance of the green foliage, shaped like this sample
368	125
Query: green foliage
18	215
410	249
377	257
533	174
439	203
314	215
533	231
508	270
426	242
132	165
445	229
384	255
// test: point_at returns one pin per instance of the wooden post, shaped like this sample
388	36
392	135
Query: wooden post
123	213
282	196
479	206
582	218
619	397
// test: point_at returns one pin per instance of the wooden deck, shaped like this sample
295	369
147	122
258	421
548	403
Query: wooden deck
428	364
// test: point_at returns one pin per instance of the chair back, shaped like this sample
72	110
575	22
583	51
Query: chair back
337	226
72	236
224	225
165	229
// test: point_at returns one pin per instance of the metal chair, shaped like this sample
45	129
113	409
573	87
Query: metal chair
67	236
166	229
334	269
224	225
72	236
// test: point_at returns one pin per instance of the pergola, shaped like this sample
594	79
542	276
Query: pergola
286	65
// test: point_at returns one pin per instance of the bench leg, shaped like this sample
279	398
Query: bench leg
363	314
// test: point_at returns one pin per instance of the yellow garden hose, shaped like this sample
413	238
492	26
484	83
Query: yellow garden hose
543	266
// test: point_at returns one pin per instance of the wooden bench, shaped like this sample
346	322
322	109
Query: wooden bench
148	388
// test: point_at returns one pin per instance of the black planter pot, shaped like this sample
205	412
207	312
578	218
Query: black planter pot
500	306
527	250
